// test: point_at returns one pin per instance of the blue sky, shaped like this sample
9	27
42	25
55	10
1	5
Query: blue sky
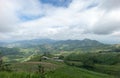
60	19
57	3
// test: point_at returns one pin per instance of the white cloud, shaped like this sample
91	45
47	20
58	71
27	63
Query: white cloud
116	34
109	4
8	18
108	23
78	21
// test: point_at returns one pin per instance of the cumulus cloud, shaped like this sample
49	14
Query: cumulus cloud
13	12
27	19
109	4
116	34
108	23
8	18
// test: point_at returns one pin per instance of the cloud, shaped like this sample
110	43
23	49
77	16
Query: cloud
8	18
59	20
108	23
116	34
14	12
109	4
28	19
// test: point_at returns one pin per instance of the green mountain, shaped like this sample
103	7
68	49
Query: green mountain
85	44
27	43
24	50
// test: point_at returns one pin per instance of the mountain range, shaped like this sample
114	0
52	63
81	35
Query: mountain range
25	49
34	42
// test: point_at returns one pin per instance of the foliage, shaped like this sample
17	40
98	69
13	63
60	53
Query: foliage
61	57
41	70
74	72
100	62
64	72
109	69
6	67
100	58
19	75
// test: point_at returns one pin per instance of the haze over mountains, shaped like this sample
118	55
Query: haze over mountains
33	42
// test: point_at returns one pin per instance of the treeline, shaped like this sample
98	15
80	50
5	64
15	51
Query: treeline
9	51
101	62
96	58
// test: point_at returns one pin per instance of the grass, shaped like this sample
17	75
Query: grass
63	72
74	72
109	69
18	75
53	70
33	66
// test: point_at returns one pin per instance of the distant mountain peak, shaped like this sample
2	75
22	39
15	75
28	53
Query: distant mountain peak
86	39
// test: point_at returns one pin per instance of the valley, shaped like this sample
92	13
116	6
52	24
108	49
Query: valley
59	59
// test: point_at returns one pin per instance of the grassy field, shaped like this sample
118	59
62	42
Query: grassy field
33	66
74	72
18	75
52	69
109	69
63	72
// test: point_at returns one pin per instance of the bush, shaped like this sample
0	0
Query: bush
89	59
6	67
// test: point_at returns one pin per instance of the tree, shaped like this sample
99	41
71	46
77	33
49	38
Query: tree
61	57
41	70
4	66
1	61
88	63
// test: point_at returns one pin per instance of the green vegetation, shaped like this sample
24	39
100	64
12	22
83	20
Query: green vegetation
60	59
18	75
100	58
108	69
74	72
61	72
100	62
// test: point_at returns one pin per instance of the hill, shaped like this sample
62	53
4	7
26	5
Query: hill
24	50
53	70
27	43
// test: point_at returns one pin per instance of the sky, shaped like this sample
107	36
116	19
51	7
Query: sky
60	20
